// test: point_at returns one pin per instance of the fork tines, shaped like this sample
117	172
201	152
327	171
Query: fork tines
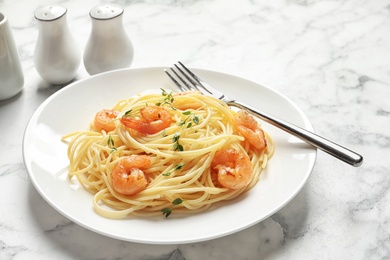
188	79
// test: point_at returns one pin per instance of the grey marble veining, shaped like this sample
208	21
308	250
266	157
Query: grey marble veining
331	58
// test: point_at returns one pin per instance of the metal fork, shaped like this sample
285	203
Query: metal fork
192	82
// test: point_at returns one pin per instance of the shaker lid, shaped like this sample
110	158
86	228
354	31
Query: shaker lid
105	12
50	12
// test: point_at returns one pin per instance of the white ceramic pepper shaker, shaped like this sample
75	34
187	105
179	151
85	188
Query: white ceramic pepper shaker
108	47
11	73
57	56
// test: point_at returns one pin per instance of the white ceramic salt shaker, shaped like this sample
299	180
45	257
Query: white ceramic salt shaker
11	74
108	47
57	56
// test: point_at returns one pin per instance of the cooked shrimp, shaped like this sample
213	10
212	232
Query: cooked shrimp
152	120
127	177
250	129
104	120
232	167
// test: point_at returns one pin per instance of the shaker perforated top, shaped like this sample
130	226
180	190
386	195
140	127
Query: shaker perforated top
105	12
50	13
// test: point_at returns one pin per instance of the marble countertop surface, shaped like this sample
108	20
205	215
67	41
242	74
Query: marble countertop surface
331	58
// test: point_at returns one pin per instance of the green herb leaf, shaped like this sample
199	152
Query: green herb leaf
176	137
127	113
163	92
186	113
179	166
177	201
110	141
178	147
111	144
166	212
196	119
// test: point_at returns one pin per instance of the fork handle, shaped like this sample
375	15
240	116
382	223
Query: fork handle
317	141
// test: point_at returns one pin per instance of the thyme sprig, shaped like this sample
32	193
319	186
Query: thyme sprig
168	99
168	211
191	118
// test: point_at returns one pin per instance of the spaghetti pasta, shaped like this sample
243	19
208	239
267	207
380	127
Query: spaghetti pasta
182	174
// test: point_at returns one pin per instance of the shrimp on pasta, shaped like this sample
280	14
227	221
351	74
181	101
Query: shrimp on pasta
127	176
250	129
153	120
104	120
233	168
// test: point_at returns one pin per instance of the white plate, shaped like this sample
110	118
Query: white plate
72	108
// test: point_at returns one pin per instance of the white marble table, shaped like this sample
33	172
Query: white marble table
332	58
